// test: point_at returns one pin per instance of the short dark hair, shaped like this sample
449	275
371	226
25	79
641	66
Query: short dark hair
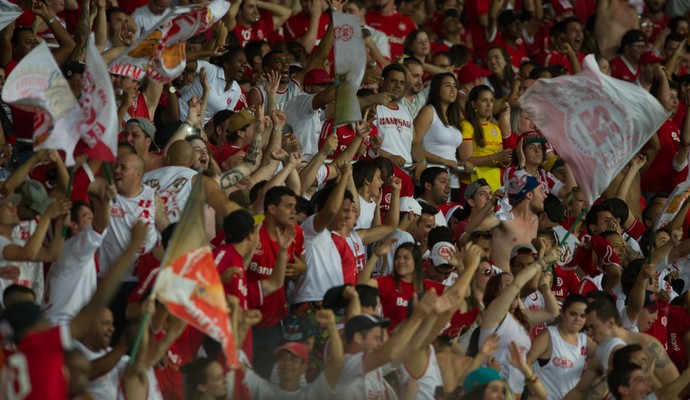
221	116
109	13
368	295
620	377
13	290
363	170
629	275
428	209
618	209
572	299
439	234
321	197
593	215
275	195
605	309
621	357
395	67
268	57
429	175
553	209
253	49
385	165
18	30
231	53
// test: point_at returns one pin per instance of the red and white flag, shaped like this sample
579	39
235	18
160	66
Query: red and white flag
188	282
596	123
37	85
99	127
350	64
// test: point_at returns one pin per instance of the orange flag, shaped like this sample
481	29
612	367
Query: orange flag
188	282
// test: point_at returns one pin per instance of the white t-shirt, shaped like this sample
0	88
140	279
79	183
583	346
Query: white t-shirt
305	121
355	384
218	98
564	368
124	213
396	130
31	272
173	185
509	330
260	388
366	213
105	386
428	381
145	19
282	97
324	264
72	277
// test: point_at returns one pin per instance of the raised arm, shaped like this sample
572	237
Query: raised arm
64	39
32	248
280	13
307	175
248	165
277	278
335	200
326	320
376	233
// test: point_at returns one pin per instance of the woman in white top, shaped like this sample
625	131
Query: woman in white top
561	350
437	126
506	315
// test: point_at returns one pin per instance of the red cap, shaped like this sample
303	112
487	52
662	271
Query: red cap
224	152
561	6
317	77
649	57
296	349
470	72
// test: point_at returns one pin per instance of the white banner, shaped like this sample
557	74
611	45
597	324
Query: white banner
596	123
100	125
350	63
37	85
673	204
8	13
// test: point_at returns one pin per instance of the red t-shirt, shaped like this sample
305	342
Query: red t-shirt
182	351
346	134
517	55
407	190
395	26
226	257
37	368
350	272
297	25
659	328
394	301
660	176
260	30
621	71
264	257
274	307
678	325
459	321
556	58
473	10
566	283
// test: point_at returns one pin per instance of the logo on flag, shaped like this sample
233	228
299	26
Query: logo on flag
350	63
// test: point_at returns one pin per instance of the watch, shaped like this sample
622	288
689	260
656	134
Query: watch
172	89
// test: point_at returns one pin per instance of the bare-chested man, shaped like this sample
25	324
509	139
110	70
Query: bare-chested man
527	198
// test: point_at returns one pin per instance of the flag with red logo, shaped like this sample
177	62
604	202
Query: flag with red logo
350	63
37	85
596	123
99	127
188	282
8	13
160	52
675	201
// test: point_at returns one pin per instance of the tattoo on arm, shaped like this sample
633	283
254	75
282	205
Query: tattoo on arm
254	149
659	354
240	172
81	36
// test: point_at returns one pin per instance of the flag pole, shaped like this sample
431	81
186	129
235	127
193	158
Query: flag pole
69	195
108	173
140	334
567	234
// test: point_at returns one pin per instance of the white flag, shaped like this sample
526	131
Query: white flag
99	127
596	123
37	85
350	64
8	13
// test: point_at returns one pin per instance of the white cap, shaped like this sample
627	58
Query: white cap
441	252
409	204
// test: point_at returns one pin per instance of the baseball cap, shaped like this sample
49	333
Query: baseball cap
650	57
73	67
317	76
296	329
472	188
533	137
19	317
470	72
519	186
239	120
561	6
296	349
523	250
409	204
441	252
364	322
553	163
507	17
479	377
239	224
34	195
145	125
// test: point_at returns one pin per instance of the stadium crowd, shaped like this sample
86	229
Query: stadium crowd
439	248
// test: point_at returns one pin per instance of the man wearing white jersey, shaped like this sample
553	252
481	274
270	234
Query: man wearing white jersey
147	16
394	123
71	280
173	183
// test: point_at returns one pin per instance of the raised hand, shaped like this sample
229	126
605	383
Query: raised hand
472	256
58	208
286	237
278	118
516	358
203	78
272	81
638	161
325	318
194	114
295	158
491	345
384	247
344	170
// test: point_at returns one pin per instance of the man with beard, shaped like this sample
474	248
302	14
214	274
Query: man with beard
527	198
394	123
416	95
435	183
290	85
385	17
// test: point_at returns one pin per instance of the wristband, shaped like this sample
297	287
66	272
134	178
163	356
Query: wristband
279	130
52	19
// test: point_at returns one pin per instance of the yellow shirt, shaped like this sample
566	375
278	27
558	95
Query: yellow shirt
493	144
